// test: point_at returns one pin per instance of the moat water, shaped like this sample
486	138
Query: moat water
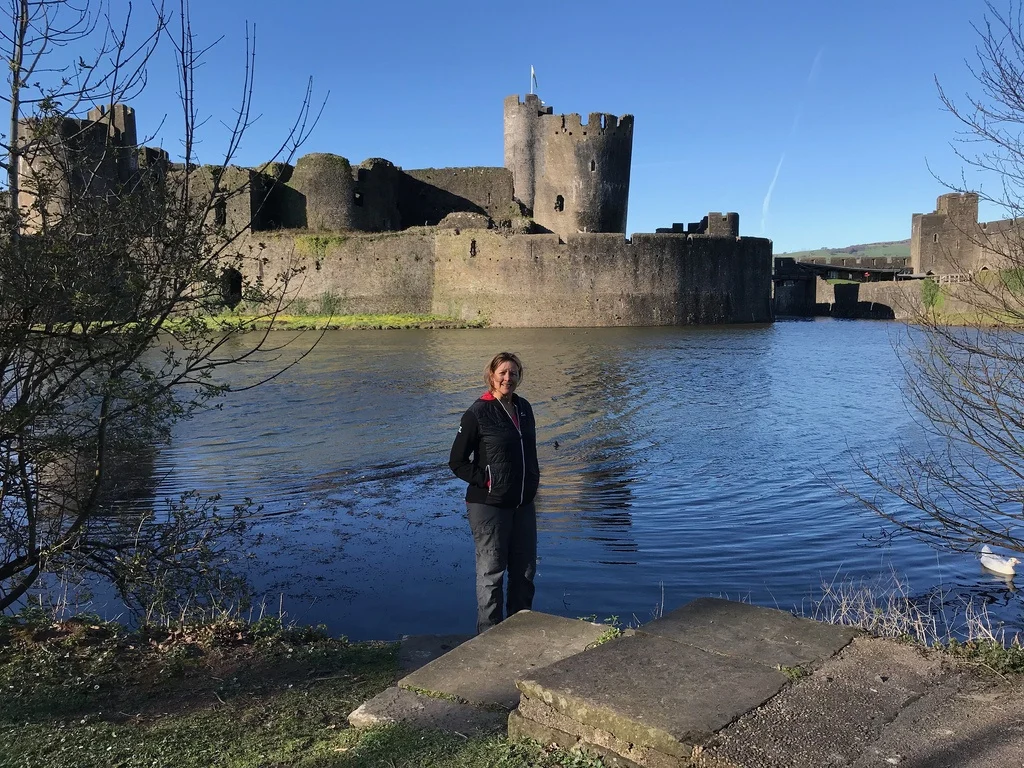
676	463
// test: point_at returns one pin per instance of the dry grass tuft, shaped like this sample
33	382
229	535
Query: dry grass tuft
885	607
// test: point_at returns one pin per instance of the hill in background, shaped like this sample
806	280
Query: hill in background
900	248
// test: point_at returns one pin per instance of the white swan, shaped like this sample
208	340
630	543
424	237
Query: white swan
997	564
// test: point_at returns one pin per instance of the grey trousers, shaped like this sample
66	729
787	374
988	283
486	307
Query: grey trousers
506	540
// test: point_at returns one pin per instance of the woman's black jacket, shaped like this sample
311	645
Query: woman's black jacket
498	460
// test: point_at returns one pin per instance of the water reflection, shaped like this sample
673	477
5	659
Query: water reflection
685	461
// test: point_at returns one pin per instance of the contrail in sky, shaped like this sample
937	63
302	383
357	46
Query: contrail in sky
811	77
768	197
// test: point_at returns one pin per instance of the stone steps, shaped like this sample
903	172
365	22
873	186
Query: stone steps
654	699
715	684
472	688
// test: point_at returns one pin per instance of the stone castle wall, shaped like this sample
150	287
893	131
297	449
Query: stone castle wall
950	240
530	280
573	176
429	194
946	241
375	238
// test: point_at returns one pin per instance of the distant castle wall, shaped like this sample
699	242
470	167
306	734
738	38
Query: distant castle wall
950	240
377	239
533	280
715	224
72	161
947	240
429	194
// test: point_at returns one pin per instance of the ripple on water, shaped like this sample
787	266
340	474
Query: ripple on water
689	462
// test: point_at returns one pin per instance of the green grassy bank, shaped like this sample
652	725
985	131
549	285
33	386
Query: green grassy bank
85	693
304	322
82	692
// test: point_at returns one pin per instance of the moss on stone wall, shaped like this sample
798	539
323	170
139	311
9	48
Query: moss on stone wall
317	245
931	294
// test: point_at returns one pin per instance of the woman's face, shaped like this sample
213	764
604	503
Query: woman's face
505	379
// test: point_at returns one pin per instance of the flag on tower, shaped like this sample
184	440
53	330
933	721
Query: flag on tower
533	79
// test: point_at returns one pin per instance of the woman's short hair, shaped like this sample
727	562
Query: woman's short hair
498	359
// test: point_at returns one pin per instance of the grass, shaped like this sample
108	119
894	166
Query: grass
885	607
86	693
82	692
613	629
898	248
303	322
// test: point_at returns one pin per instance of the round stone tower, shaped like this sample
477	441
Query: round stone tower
522	122
327	193
574	176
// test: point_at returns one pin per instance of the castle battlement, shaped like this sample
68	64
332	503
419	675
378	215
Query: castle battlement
453	241
531	104
597	124
571	176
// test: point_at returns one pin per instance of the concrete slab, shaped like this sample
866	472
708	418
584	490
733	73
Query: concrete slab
831	716
395	705
415	651
967	721
765	635
484	670
653	692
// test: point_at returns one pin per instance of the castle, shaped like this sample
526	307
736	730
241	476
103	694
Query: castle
951	241
539	242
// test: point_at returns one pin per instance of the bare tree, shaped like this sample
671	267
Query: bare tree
112	262
962	483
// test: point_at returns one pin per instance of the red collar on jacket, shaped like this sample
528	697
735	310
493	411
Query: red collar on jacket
488	395
513	413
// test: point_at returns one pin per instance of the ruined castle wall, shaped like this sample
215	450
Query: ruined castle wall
237	201
947	240
61	165
427	195
582	173
1000	244
524	280
722	280
535	281
364	273
950	240
376	197
121	135
325	196
723	224
602	280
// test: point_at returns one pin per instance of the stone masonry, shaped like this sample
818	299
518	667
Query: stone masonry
540	242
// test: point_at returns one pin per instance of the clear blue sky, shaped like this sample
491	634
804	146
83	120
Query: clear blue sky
835	102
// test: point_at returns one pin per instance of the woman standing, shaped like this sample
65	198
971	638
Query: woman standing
495	452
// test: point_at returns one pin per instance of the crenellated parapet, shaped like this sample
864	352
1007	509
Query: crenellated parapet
949	240
715	224
573	176
547	230
64	162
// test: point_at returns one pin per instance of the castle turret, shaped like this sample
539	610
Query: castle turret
573	176
947	240
121	137
522	127
326	193
70	161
